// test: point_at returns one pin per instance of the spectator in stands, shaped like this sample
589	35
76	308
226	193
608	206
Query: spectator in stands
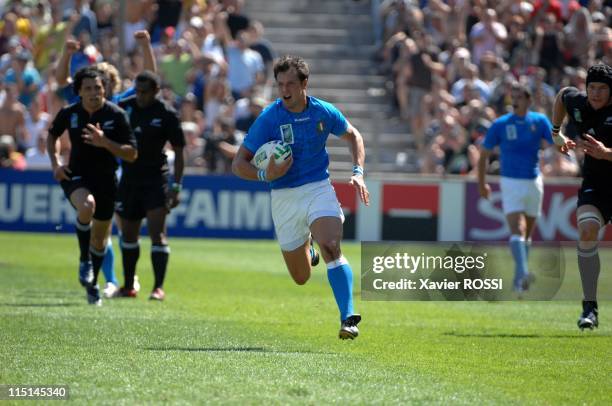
36	157
36	123
261	45
222	143
579	39
245	67
194	145
25	76
9	156
548	47
471	82
217	96
487	35
189	112
12	117
175	64
255	106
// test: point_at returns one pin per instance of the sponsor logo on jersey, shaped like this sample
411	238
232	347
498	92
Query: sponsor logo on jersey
108	125
608	120
74	120
299	120
156	122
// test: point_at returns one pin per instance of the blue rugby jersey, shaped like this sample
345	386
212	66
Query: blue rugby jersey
519	139
307	134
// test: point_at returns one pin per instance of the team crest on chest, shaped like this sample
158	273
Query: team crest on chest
511	133
74	120
287	133
321	126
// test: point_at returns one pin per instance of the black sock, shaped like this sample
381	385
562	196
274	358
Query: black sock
97	257
588	264
159	258
83	232
130	252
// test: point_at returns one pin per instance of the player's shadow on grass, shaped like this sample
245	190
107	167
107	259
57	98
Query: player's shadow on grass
229	349
210	349
39	304
513	335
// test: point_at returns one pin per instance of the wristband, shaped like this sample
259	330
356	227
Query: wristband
556	129
261	175
177	187
357	170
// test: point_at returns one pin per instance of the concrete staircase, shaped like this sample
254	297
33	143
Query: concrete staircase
336	39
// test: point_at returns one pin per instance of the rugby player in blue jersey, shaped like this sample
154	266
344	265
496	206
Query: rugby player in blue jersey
304	203
519	136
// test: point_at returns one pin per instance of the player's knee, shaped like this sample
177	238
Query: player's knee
87	208
159	239
302	278
589	231
330	247
99	243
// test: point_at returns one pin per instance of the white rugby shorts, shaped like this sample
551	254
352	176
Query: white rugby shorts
295	209
522	195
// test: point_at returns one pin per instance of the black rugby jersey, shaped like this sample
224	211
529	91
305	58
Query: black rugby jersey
87	159
598	124
153	126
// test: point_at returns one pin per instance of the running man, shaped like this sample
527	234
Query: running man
519	136
304	203
591	114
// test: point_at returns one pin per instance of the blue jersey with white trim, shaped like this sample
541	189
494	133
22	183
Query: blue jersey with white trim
519	139
307	134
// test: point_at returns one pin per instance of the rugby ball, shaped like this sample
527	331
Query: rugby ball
280	150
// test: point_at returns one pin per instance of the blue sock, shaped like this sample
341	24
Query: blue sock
519	252
340	276
108	266
527	247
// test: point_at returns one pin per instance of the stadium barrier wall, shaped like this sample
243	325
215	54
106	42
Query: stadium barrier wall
411	209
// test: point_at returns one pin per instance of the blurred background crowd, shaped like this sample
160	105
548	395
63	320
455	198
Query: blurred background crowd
214	64
450	65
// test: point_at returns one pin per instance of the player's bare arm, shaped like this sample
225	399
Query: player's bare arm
62	71
60	172
93	135
143	39
355	140
483	187
563	143
173	198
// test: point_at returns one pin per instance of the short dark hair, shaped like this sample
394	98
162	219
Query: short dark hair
600	72
89	72
287	62
523	88
150	77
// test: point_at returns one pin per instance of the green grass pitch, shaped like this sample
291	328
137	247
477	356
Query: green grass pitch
235	329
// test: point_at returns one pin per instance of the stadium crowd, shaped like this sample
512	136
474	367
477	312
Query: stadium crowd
214	64
452	64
